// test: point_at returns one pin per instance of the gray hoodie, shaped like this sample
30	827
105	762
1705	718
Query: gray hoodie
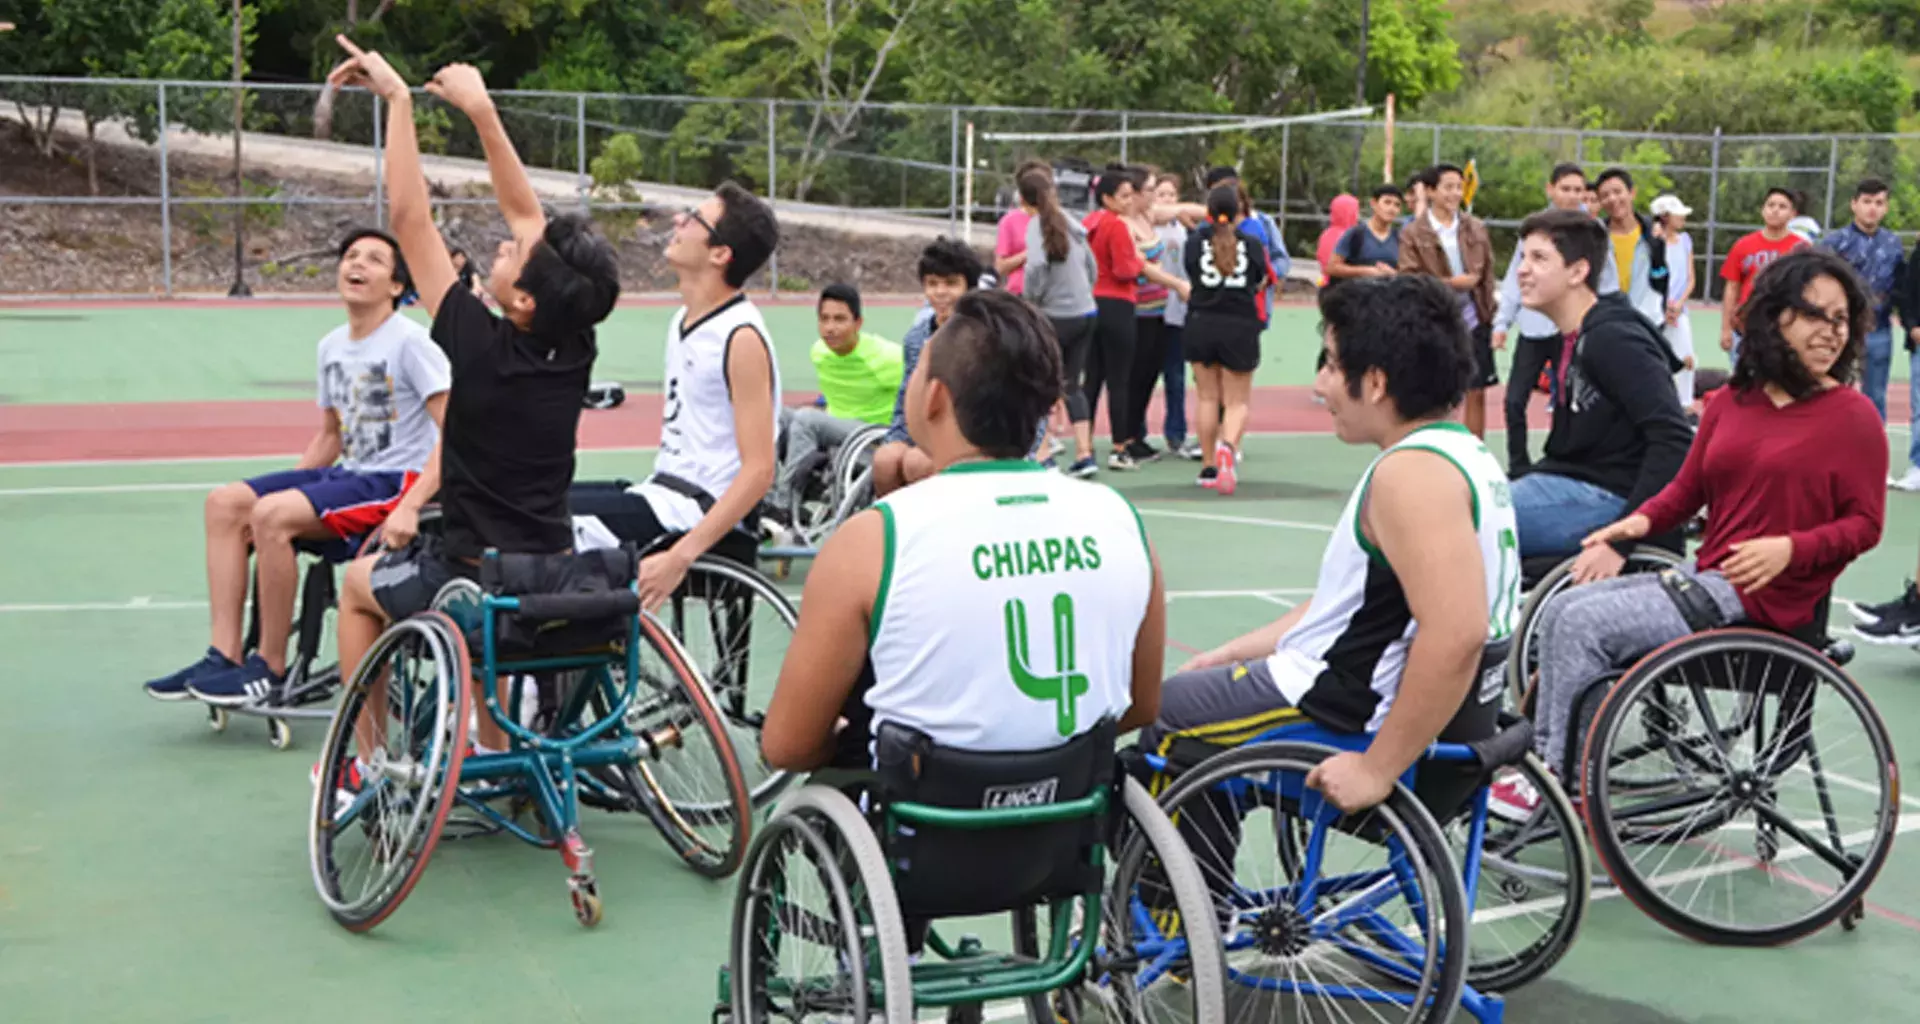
1064	290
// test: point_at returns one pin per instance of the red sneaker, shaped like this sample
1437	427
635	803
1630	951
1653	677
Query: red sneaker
1227	466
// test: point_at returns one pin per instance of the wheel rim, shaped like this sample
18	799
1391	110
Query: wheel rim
798	953
735	628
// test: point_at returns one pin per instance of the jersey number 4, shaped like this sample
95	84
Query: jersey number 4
1063	686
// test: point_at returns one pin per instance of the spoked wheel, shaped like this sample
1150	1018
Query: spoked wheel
687	777
1791	805
378	808
817	934
1160	957
1533	889
1348	914
1525	658
853	472
735	626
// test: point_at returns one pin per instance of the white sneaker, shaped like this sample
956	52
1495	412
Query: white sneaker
1910	482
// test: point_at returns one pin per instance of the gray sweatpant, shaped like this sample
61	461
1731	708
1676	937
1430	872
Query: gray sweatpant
1225	705
808	430
1590	630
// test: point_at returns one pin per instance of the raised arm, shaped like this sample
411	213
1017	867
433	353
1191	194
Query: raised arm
461	86
408	208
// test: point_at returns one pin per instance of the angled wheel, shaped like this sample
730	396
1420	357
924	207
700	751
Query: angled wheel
1160	953
1781	804
1534	884
1526	640
389	770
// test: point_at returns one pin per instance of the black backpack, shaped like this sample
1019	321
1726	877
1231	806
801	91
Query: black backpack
1350	251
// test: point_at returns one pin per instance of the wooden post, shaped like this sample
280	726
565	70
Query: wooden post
1386	172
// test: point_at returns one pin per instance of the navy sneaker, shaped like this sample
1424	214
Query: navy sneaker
174	687
247	684
1083	469
1875	612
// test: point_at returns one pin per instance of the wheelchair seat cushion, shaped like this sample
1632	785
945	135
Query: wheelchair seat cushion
950	872
569	602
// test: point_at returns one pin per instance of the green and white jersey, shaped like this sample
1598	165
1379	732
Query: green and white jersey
1342	663
1008	607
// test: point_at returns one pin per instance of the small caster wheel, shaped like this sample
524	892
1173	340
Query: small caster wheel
970	1013
782	568
1851	918
217	719
1068	1005
586	902
279	733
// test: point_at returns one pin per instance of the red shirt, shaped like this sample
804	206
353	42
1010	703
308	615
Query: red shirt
1751	255
1115	254
1814	471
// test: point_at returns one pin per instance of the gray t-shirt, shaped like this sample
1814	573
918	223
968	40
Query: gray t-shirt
1370	251
379	385
1173	260
1062	290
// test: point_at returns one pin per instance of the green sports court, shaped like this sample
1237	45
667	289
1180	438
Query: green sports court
152	870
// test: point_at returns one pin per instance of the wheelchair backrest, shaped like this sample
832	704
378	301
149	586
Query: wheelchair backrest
985	862
568	602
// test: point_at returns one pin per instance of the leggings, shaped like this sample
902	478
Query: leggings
1149	357
1111	363
1076	342
1589	631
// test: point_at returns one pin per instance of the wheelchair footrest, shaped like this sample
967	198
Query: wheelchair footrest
947	982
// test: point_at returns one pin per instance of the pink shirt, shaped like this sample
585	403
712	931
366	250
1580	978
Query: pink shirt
1012	241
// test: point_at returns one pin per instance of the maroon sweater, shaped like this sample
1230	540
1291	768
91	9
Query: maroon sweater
1813	470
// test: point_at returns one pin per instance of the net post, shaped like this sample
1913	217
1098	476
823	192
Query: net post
166	199
953	164
966	228
1123	136
379	167
1833	170
1713	213
580	152
773	189
1286	146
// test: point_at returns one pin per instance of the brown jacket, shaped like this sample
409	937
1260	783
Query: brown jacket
1420	253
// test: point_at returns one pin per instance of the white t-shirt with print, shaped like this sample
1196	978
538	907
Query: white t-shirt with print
379	385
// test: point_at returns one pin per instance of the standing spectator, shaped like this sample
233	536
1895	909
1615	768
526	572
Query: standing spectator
1539	343
1908	301
1751	254
1173	369
1876	256
1263	228
1371	249
1152	289
1010	240
1227	264
1670	221
1419	195
1059	282
1451	244
1342	216
1639	256
1114	292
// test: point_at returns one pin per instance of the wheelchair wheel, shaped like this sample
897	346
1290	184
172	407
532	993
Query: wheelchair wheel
1533	889
817	933
735	626
1340	907
853	472
378	812
313	670
1526	645
688	778
1157	966
1760	840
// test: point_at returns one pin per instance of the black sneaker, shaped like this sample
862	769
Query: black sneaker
1875	612
1898	626
1141	451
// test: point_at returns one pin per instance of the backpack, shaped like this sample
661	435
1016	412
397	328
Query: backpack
1349	250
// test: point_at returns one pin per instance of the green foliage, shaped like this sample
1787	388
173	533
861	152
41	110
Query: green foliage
619	164
209	222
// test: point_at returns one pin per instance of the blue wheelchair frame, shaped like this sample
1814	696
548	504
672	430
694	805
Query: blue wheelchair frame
1487	1008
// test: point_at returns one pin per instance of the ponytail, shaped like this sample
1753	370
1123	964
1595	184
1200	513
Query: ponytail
1223	204
1036	190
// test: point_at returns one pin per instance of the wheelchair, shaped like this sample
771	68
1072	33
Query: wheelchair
838	892
1738	785
1371	907
835	485
1544	577
630	704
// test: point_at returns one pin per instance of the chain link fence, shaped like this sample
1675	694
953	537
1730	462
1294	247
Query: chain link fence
100	201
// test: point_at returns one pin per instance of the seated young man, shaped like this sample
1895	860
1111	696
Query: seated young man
383	393
948	270
1617	438
1420	573
519	379
909	611
859	376
717	427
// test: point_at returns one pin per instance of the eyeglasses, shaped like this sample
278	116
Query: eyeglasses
1839	322
693	214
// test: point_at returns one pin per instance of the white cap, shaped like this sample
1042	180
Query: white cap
1668	205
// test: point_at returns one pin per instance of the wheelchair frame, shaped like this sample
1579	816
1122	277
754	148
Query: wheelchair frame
848	492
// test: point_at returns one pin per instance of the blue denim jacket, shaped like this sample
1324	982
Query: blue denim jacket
1877	258
910	347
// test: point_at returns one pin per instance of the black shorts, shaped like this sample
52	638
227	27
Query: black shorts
1485	373
631	518
406	581
1227	342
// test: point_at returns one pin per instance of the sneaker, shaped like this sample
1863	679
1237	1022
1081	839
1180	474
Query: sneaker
1876	612
249	683
1189	450
1050	463
1909	483
1141	452
349	789
1513	798
174	687
1223	459
1083	469
1898	625
1120	461
1209	478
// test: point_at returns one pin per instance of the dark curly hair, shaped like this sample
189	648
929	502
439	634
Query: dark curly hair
572	276
950	257
1409	327
1001	361
1765	356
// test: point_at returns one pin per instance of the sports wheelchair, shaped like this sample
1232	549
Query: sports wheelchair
1371	906
630	704
839	891
1544	577
834	485
1738	785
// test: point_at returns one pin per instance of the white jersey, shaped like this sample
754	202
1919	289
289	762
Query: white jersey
1342	663
1008	608
697	445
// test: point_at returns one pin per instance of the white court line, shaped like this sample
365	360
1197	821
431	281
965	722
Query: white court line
195	460
160	488
1278	524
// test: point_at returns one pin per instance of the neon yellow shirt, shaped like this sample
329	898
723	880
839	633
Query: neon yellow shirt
861	384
